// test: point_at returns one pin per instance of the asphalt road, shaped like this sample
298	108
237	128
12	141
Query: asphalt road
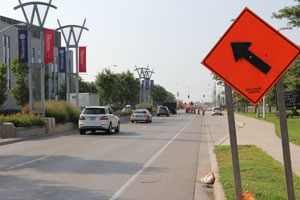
145	161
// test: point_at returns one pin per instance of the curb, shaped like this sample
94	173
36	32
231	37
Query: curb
218	188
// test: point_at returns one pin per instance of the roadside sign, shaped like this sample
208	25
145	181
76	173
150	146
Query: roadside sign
251	56
292	100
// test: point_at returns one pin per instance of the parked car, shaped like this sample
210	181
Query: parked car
216	111
95	118
126	108
141	115
163	110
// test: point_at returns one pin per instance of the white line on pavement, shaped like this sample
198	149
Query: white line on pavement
25	163
97	141
130	181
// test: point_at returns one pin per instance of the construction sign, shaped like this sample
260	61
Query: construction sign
251	56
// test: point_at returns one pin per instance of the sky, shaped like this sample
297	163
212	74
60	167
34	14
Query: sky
171	36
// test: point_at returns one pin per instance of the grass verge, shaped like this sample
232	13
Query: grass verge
292	123
259	173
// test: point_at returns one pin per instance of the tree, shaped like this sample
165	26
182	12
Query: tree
21	89
3	83
62	92
106	83
159	95
292	14
128	89
170	97
87	87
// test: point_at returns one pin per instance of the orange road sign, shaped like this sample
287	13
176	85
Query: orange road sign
192	103
251	56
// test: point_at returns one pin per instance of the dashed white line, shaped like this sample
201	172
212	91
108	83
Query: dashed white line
130	181
25	163
97	141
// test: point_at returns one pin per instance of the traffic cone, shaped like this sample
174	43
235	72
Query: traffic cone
248	195
209	178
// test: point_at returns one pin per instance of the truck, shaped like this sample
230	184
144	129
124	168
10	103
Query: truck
85	99
171	106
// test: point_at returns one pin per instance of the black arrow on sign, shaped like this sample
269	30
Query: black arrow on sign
240	50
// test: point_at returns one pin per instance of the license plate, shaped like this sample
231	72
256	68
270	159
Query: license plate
92	118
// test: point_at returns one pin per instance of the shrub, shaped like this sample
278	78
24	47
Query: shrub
62	111
149	107
124	113
21	120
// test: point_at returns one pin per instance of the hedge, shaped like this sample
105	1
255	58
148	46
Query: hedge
21	120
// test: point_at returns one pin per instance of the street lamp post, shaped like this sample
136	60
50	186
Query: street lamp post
22	23
34	99
108	67
69	44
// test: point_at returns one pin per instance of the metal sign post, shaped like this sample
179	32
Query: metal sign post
36	98
285	140
72	45
233	143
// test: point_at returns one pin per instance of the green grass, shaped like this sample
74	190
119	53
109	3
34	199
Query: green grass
259	173
292	123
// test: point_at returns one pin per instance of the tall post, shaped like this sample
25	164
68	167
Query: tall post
233	143
32	66
144	73
77	74
285	140
73	45
264	107
67	74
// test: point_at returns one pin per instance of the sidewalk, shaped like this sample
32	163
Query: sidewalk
263	135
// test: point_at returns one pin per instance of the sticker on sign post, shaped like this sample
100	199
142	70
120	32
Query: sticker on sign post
251	56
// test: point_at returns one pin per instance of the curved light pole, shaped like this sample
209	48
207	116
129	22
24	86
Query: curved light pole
108	67
22	23
32	66
72	45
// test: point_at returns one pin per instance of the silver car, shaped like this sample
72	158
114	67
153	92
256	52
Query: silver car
141	115
216	111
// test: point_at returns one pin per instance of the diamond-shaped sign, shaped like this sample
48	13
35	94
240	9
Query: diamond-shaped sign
251	56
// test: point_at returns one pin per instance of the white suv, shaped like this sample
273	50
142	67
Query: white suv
95	118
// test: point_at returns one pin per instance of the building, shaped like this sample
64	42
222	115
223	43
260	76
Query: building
9	50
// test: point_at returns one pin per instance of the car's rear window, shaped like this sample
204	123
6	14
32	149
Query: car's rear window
140	111
163	108
216	109
94	111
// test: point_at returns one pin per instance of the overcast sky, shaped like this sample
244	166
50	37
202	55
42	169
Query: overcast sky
171	36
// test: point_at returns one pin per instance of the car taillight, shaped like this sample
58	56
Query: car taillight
81	118
132	115
104	118
145	115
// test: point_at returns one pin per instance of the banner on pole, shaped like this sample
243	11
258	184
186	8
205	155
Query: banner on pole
152	85
143	83
82	59
146	83
23	46
62	60
48	46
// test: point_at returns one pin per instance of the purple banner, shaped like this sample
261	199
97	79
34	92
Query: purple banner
62	60
23	46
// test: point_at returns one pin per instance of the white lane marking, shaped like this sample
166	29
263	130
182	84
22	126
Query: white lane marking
97	141
25	163
130	181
